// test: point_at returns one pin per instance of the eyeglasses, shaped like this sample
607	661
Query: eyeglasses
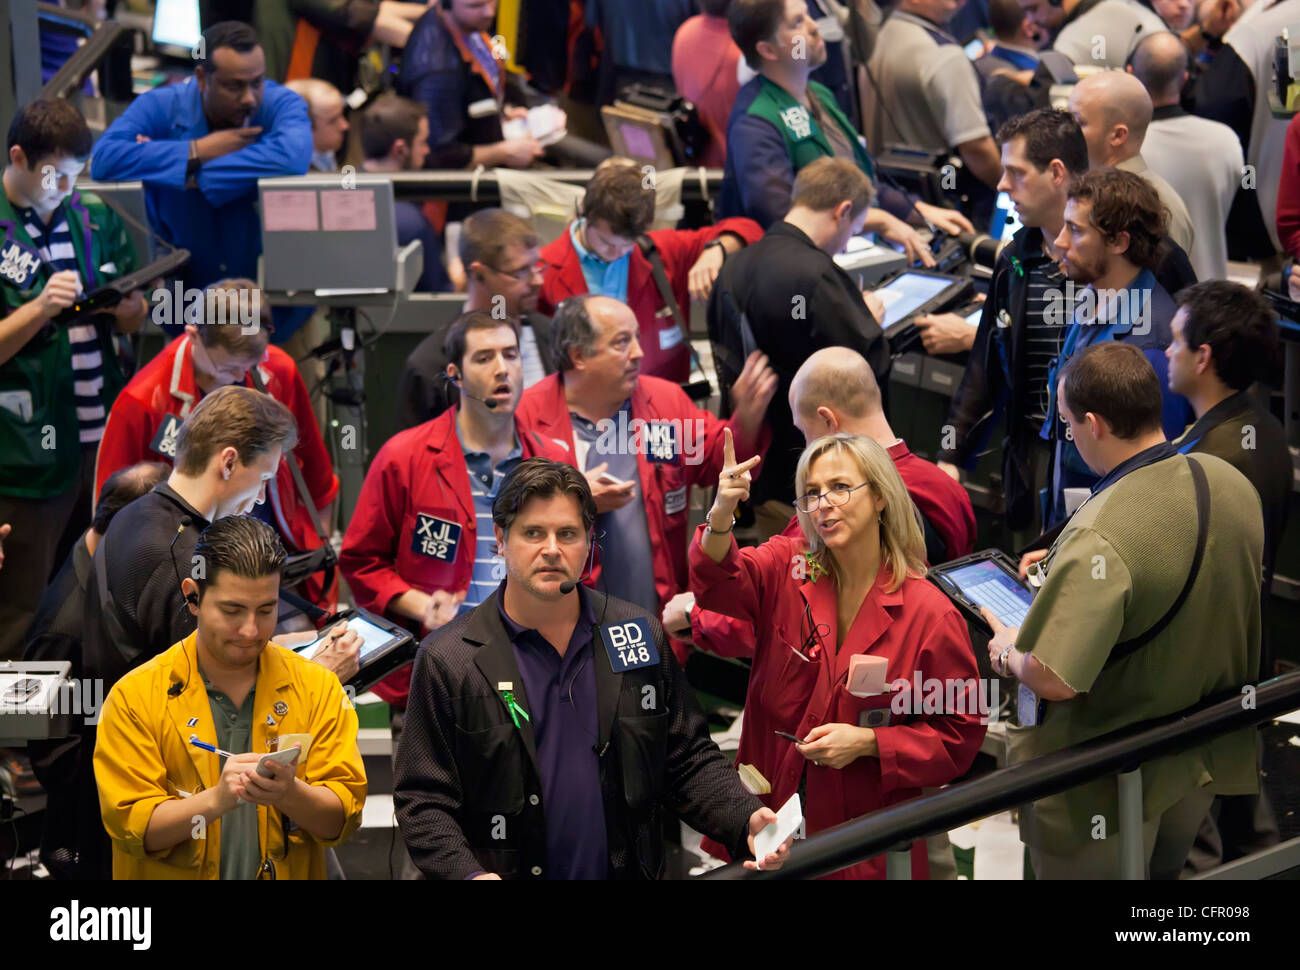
833	498
524	273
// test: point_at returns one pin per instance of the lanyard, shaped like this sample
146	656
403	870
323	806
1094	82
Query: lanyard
476	51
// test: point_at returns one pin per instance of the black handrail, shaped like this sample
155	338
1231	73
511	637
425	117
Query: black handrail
72	75
458	185
861	838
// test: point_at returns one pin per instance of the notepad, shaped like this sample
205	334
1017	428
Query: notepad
753	780
867	675
788	820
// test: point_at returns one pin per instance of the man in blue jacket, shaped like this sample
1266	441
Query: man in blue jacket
1113	224
200	148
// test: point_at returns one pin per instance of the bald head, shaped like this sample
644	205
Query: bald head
836	378
1114	110
321	96
1160	63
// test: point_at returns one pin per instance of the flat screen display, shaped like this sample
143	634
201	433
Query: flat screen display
176	23
902	296
984	584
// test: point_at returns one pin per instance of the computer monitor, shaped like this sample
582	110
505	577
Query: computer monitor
176	27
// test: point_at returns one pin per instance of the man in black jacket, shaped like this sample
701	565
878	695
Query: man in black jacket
73	843
784	295
546	732
1043	152
1225	340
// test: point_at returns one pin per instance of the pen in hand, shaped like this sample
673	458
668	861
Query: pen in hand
209	747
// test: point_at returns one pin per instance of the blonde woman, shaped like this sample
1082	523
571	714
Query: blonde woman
852	584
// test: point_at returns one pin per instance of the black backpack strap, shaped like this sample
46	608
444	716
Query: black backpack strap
300	485
651	253
125	635
1202	487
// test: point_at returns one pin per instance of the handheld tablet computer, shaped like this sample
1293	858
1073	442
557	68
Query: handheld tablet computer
988	578
385	647
110	294
913	292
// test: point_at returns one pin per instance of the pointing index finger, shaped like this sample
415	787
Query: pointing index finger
728	449
989	617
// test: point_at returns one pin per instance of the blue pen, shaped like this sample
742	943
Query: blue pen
209	747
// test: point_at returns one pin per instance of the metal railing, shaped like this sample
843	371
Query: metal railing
481	187
1121	752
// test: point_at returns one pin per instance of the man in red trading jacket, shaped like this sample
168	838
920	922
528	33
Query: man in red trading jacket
229	340
836	392
420	547
640	442
598	254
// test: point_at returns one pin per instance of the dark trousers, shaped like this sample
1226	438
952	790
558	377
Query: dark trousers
44	532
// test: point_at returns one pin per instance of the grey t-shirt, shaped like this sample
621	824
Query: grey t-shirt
930	89
627	559
1104	36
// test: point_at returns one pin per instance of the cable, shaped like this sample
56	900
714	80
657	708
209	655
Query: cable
13	822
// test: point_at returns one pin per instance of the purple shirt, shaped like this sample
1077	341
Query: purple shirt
561	694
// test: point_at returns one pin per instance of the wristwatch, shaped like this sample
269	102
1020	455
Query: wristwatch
1002	660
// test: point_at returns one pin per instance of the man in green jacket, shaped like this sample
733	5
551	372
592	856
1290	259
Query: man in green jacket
782	120
57	381
1130	624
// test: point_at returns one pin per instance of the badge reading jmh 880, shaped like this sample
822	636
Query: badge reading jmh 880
629	645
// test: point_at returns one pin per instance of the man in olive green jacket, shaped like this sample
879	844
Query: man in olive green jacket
1130	624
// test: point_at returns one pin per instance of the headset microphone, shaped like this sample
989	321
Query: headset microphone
490	403
569	585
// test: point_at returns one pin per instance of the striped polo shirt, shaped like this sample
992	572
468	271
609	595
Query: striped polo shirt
1043	338
54	243
484	480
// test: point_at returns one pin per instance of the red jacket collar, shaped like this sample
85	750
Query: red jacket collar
564	262
554	412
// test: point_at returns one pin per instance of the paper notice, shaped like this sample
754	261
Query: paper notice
788	819
348	210
290	210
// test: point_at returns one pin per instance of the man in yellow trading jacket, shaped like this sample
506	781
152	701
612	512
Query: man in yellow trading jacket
177	811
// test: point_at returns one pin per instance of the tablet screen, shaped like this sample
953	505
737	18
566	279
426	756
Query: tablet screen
973	318
905	294
984	584
373	639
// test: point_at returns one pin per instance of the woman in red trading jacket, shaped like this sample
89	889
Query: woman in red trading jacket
853	583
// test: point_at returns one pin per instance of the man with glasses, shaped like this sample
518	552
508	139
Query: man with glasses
502	261
200	148
222	348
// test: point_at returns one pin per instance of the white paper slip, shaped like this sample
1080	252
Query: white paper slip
788	820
